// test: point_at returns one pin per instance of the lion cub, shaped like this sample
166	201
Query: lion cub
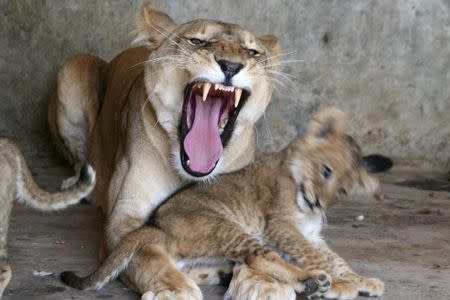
278	202
16	183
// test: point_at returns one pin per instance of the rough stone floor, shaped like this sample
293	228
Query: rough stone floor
404	239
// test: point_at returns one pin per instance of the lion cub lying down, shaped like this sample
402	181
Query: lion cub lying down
278	202
16	183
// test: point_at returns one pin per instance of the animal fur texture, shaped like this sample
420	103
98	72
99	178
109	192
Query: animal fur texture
274	206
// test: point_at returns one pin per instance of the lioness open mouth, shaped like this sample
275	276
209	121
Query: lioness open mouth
207	122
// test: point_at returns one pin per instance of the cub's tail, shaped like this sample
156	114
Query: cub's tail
30	193
377	163
117	261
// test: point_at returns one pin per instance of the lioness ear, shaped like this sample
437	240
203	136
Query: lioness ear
154	25
328	122
272	44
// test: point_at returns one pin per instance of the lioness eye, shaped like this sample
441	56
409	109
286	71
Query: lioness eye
326	171
253	52
196	42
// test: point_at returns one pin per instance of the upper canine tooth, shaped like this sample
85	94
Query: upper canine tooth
232	89
237	96
206	87
216	86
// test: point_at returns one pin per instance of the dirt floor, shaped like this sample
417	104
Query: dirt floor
404	239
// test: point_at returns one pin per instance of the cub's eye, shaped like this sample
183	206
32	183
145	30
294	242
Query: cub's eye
326	171
196	42
253	52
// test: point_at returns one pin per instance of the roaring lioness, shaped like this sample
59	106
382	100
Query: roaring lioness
154	118
276	203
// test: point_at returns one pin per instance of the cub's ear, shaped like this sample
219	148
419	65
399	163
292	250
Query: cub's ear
272	44
328	122
153	25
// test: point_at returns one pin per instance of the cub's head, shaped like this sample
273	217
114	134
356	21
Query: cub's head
327	162
208	82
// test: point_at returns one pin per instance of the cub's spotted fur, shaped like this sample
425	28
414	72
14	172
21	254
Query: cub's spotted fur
278	202
16	183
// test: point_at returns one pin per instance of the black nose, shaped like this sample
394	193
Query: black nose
229	68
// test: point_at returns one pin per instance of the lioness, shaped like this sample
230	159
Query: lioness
278	202
16	183
182	108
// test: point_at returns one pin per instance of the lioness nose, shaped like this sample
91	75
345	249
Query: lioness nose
229	68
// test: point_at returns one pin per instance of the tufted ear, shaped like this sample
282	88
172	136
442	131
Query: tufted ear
272	44
154	25
327	123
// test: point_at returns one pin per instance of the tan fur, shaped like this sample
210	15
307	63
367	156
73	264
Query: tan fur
133	141
278	202
17	183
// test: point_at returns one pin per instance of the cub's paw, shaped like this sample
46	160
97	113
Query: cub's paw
342	290
5	276
317	284
248	284
371	287
173	295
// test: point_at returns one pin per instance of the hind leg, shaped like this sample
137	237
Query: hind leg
74	107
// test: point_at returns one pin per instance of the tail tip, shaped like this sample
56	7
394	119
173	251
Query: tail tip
70	278
87	174
376	163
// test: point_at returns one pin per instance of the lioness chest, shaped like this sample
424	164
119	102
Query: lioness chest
127	139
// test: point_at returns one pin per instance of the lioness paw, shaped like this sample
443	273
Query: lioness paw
371	287
342	290
250	285
173	295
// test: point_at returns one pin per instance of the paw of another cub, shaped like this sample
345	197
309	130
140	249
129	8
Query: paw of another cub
371	287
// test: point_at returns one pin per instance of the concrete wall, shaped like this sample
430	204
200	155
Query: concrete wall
386	62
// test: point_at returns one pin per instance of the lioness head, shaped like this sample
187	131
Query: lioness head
327	162
207	81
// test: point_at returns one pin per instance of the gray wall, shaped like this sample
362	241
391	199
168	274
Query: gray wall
386	62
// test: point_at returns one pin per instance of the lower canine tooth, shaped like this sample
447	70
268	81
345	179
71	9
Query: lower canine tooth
237	96
188	162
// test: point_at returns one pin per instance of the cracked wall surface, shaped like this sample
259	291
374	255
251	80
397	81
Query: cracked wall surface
385	62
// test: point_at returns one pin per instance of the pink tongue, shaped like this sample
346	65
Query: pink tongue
202	144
